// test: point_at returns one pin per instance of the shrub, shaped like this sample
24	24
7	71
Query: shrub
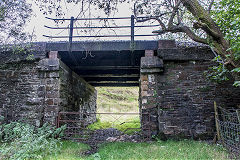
24	141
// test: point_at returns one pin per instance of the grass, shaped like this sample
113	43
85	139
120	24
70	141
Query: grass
69	151
117	99
130	126
162	150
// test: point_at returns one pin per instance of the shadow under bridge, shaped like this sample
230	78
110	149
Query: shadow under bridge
105	63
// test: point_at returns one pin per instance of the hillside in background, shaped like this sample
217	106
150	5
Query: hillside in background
114	100
117	99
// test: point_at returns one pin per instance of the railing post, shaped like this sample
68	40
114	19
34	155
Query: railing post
71	34
132	45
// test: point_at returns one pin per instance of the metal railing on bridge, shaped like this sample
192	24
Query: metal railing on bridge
72	20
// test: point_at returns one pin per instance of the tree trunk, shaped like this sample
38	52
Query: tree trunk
206	23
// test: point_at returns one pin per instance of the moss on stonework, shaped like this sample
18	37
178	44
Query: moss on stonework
204	89
16	65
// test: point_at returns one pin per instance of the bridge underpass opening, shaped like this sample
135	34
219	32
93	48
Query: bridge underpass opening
117	107
109	71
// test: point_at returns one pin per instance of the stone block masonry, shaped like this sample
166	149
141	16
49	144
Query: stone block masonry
175	91
185	99
35	91
76	95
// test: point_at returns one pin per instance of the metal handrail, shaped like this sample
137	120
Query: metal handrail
100	27
141	35
99	18
71	28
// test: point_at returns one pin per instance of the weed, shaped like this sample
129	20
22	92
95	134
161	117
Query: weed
23	141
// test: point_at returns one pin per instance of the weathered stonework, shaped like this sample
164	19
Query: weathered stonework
150	66
180	96
173	90
20	95
35	91
76	95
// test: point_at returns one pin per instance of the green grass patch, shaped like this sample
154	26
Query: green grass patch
162	150
69	151
117	100
187	150
128	126
99	125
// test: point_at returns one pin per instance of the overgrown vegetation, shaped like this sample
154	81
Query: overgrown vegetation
23	141
69	151
187	150
227	16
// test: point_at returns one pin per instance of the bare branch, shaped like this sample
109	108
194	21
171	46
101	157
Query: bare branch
184	29
179	18
175	9
154	18
210	6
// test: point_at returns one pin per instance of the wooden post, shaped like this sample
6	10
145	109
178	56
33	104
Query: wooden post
238	115
216	120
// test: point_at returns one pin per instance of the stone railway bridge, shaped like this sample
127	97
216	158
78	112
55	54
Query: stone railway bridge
173	88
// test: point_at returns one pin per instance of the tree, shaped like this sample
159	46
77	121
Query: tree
13	16
227	16
194	18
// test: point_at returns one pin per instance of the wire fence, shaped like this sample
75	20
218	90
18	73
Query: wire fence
92	127
228	129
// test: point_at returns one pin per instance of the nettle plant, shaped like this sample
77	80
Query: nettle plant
23	141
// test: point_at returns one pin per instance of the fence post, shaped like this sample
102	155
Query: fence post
238	115
71	34
216	120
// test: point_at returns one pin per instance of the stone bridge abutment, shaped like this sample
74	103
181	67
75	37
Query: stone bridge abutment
173	87
35	91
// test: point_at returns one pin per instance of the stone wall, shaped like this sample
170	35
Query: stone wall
185	99
35	91
76	95
20	92
173	91
180	96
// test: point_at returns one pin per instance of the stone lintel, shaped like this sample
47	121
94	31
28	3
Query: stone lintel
151	70
48	65
187	54
151	64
